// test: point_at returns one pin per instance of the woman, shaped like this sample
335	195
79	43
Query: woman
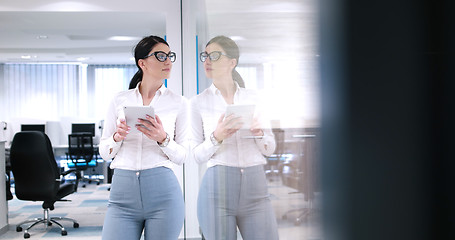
233	191
145	194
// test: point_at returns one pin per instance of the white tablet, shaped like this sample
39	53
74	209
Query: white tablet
246	112
133	113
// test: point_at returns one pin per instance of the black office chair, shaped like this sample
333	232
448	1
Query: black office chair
80	155
300	174
37	177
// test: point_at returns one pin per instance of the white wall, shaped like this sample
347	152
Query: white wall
3	204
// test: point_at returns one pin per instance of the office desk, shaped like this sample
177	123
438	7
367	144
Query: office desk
61	150
60	155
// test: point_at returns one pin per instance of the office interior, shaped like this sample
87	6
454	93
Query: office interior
372	190
63	61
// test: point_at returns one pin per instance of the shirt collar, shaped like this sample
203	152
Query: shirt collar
215	90
162	90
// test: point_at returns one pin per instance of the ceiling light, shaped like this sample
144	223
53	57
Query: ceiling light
237	38
26	56
42	37
123	38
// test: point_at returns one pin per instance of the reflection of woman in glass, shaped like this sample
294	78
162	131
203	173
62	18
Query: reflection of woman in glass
145	194
233	191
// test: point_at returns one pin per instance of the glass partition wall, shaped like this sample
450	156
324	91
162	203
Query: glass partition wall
278	59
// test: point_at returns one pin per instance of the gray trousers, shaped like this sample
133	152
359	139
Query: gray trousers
231	197
150	200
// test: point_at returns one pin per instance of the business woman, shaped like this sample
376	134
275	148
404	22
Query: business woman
145	195
233	192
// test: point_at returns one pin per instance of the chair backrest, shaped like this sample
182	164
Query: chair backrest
307	165
80	146
279	140
34	167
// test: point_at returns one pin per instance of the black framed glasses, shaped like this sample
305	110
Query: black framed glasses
214	56
162	56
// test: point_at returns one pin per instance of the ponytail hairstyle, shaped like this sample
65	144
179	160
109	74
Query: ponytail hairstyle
231	49
141	50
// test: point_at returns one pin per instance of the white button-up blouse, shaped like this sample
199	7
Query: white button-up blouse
136	151
239	150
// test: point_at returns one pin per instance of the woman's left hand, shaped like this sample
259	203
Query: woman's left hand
152	128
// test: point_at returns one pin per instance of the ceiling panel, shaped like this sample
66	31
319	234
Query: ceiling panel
67	36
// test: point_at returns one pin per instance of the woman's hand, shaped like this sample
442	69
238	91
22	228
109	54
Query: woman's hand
122	131
256	128
152	128
226	127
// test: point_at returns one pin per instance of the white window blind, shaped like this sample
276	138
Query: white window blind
39	91
104	81
51	91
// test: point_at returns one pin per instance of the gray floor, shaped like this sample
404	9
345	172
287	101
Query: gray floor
88	206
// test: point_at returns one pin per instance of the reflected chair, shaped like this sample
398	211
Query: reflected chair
37	177
300	174
80	155
274	161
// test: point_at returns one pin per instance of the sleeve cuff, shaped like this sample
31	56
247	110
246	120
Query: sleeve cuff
113	145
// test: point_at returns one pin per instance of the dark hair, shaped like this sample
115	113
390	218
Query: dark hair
231	49
141	50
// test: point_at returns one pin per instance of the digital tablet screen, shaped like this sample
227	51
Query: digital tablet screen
246	112
133	113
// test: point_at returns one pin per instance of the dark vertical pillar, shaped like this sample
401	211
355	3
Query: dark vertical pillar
387	83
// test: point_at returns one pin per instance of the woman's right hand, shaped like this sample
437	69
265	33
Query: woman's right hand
122	131
226	127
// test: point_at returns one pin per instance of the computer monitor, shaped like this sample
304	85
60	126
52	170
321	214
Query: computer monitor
33	127
83	128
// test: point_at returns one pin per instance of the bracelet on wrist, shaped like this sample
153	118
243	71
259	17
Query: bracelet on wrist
165	141
214	141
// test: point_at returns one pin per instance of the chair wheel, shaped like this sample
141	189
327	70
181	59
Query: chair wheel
26	235
18	229
49	224
98	183
75	225
64	233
